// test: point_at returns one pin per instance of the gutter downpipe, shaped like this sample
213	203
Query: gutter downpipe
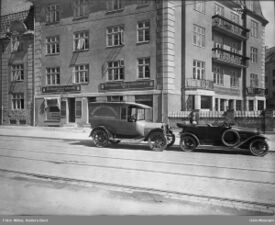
33	73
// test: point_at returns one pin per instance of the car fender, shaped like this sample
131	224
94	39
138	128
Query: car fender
257	136
191	134
151	131
104	128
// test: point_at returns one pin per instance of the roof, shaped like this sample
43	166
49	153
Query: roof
14	6
122	103
270	55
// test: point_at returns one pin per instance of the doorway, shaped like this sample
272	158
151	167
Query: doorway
71	107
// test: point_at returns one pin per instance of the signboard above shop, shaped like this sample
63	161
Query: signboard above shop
122	86
61	89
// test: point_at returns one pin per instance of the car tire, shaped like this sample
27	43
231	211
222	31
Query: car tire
230	138
258	147
100	137
171	138
188	143
157	141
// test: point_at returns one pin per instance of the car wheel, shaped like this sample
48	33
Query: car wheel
171	138
188	143
230	138
100	137
258	147
157	141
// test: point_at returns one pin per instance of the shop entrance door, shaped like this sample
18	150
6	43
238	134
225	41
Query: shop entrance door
71	106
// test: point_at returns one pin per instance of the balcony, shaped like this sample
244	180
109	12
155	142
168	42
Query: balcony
229	58
199	84
230	28
252	91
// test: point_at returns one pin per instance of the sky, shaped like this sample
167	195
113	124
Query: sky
268	9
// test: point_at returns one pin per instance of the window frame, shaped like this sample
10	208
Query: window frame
197	68
80	8
144	30
254	80
14	70
53	42
218	10
218	75
16	40
18	101
77	71
114	5
200	6
81	35
234	79
120	67
52	13
112	34
253	55
199	36
143	67
53	76
254	29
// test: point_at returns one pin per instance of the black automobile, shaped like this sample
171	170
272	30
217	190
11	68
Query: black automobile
224	135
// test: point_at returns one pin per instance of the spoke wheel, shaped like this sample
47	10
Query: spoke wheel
188	143
258	147
171	138
157	141
100	137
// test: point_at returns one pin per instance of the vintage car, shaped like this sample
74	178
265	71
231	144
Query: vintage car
112	121
223	134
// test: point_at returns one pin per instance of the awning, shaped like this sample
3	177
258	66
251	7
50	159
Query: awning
52	101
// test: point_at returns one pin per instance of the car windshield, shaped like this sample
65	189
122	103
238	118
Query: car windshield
137	113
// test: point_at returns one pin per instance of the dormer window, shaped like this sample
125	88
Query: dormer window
15	44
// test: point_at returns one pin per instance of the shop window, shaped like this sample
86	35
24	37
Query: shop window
12	121
206	102
238	105
144	99
250	105
78	109
22	122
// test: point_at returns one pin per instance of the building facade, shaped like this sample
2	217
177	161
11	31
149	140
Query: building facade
171	55
16	67
270	77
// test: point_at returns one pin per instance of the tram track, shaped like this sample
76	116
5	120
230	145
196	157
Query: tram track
212	200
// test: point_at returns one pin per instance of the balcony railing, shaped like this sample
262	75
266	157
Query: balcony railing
251	91
229	27
199	84
228	57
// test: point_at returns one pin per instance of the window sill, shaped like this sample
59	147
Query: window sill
51	23
80	18
114	11
145	78
116	46
86	83
78	51
142	5
17	81
53	54
143	42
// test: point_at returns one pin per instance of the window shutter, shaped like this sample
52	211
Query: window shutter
78	109
63	109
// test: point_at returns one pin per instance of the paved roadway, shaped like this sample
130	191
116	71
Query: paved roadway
233	179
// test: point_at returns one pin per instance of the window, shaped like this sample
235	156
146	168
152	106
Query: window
115	36
52	45
113	5
116	70
250	4
199	6
81	74
260	105
198	70
218	10
17	101
254	80
16	45
234	79
250	105
114	98
273	83
254	29
53	14
218	75
206	102
81	41
80	8
235	17
253	55
198	36
238	105
53	76
17	72
144	68
143	31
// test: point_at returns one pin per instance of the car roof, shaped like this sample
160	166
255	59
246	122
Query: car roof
122	103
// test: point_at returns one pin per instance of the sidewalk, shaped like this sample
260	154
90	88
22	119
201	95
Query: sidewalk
73	133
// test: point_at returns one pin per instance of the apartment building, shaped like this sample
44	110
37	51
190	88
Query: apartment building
170	55
270	77
16	66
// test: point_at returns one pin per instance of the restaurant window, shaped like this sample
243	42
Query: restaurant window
17	101
80	8
143	68
115	36
199	6
116	70
17	72
113	5
143	31
81	41
81	74
52	45
53	76
198	69
53	13
198	36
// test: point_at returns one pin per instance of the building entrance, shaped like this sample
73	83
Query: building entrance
71	107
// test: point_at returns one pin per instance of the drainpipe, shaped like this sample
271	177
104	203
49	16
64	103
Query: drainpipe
33	73
244	18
